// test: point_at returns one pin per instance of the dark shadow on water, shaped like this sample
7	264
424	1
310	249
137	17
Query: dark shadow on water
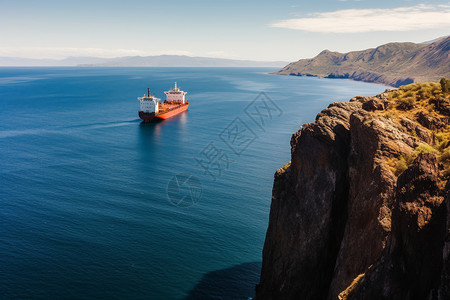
151	128
237	282
149	134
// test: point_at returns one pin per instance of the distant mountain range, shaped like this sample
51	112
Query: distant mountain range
140	61
392	64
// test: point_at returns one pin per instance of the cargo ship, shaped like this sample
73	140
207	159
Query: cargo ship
151	108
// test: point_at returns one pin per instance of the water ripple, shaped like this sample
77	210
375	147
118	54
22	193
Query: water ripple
64	130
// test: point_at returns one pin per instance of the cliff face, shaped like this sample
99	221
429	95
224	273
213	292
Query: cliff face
360	212
393	64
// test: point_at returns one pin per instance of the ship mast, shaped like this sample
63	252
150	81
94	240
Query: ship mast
148	92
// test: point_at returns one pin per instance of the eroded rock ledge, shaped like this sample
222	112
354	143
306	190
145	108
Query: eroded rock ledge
362	210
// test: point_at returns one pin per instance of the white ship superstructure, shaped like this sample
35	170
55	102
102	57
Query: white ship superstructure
149	103
175	95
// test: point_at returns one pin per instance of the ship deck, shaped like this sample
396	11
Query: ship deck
164	107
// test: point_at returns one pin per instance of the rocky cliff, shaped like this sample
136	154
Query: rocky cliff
361	211
393	64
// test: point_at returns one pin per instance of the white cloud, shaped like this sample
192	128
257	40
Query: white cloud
63	52
366	20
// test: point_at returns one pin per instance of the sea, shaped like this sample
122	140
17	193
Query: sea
95	204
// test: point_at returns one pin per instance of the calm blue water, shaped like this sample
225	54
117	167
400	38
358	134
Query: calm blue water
84	206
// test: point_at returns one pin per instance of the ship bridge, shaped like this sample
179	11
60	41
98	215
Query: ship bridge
149	103
175	95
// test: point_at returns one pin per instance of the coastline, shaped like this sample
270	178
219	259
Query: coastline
324	77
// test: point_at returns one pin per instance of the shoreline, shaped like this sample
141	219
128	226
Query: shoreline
349	79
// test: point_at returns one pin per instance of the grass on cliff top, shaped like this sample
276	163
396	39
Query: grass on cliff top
410	100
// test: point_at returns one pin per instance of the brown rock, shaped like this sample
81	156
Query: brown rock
442	105
444	288
431	122
373	104
408	124
411	265
308	210
421	132
368	211
360	99
425	120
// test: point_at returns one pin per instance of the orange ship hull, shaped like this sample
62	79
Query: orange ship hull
170	110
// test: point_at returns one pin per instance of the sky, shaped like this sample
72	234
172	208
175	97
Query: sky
281	30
